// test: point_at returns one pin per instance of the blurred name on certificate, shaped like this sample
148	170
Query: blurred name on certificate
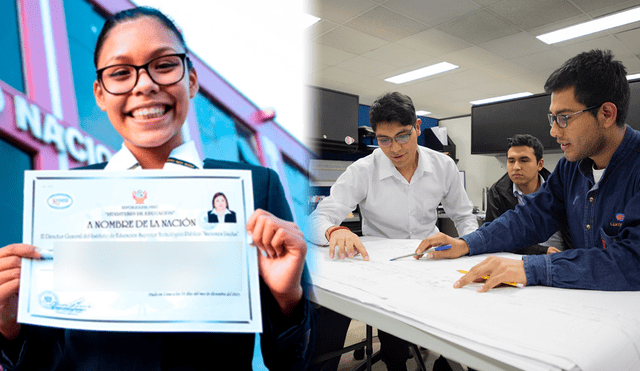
140	251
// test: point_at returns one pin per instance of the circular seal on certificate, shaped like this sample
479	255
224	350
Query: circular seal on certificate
203	221
48	300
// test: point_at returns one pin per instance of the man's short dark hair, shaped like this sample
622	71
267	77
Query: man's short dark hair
597	79
392	107
529	141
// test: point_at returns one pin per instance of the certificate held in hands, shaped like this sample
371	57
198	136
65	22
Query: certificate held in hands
140	251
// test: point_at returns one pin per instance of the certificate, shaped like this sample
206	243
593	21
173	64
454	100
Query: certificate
140	251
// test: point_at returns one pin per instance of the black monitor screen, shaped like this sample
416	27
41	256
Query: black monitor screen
633	116
492	124
334	115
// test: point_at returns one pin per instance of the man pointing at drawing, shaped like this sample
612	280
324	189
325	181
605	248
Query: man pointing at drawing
594	191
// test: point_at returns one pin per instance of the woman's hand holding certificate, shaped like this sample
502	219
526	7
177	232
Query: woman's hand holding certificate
281	259
10	260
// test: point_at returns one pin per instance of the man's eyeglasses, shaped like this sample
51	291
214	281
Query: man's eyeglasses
122	78
400	139
563	120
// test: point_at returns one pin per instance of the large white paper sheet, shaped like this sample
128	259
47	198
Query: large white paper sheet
533	328
137	251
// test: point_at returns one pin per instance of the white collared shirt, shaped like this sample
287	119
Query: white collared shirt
517	192
183	157
392	207
221	216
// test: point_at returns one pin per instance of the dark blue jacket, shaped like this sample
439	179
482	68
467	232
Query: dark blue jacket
603	220
287	343
500	198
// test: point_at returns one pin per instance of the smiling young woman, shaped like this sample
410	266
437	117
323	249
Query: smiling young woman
144	82
150	116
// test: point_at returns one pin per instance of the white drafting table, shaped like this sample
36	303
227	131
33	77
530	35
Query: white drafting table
508	328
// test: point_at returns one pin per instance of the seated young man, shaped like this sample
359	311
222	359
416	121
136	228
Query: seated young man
525	174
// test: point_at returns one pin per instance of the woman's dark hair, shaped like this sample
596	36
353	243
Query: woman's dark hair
213	200
131	14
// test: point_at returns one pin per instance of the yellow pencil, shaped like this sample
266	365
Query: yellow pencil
514	284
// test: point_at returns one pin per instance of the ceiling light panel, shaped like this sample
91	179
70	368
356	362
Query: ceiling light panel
597	25
422	72
501	98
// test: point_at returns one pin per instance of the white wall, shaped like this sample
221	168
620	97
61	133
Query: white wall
481	170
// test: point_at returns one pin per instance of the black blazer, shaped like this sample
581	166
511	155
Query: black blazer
228	218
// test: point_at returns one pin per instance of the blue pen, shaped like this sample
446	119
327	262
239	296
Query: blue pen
438	248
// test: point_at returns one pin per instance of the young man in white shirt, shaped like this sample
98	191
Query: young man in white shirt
398	188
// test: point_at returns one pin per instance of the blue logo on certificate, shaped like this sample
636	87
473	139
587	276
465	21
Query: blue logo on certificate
48	300
59	201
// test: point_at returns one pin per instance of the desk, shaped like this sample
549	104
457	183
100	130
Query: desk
532	328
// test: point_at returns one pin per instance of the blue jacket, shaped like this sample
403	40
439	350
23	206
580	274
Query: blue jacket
287	342
603	221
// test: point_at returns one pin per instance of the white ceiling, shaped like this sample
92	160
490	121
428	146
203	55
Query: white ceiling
359	43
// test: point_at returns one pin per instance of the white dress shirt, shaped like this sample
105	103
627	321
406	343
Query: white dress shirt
392	207
221	215
183	157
